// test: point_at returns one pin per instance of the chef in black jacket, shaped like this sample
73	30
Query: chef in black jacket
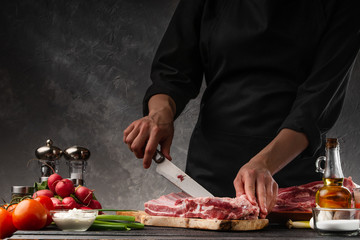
276	73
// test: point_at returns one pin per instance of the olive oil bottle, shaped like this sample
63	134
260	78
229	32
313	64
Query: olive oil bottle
333	194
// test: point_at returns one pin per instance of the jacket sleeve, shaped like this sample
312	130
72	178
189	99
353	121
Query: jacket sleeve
177	69
319	99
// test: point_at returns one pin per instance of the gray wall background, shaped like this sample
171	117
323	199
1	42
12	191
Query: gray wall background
76	71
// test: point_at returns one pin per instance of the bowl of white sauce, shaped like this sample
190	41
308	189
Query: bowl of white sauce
337	221
74	219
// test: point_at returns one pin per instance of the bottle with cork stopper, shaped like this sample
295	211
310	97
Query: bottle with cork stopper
333	194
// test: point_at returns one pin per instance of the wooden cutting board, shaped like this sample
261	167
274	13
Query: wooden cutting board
197	223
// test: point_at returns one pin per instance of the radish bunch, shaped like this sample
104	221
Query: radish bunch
65	196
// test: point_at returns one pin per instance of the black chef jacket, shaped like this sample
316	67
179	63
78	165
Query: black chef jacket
268	65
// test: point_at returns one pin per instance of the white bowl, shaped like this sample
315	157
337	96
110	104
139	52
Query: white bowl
337	221
74	219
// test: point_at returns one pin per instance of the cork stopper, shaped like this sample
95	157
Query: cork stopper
332	143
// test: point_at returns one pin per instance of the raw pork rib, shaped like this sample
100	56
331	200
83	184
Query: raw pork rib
302	198
183	205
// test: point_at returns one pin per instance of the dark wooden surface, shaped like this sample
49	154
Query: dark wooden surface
270	232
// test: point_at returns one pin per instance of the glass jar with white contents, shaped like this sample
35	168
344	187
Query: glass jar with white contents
336	221
74	219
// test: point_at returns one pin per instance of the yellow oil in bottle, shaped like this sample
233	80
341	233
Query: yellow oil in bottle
333	194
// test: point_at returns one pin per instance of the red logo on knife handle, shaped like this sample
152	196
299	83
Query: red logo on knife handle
181	177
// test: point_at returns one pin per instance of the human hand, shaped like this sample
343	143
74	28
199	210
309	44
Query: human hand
255	180
145	134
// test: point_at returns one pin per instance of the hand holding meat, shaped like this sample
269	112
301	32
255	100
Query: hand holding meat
255	180
255	177
145	134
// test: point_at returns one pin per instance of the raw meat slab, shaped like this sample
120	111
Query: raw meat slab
197	223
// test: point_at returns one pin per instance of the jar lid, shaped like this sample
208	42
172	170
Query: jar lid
48	152
22	189
76	153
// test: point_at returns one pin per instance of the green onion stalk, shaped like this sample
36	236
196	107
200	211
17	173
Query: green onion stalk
115	222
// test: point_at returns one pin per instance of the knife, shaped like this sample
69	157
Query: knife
172	173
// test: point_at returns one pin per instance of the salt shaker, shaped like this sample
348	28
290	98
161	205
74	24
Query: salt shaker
77	159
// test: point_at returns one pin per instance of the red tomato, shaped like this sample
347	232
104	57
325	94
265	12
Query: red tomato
6	225
11	208
46	202
48	205
29	215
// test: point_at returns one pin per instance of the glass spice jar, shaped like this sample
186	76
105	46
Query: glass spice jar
21	191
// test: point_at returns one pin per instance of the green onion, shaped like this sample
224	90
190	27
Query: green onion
116	217
115	222
134	225
104	227
110	223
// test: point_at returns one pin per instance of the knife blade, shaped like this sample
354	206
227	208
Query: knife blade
175	175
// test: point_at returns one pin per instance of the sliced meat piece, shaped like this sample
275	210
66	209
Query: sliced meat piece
183	205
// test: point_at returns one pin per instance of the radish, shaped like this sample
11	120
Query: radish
53	180
57	203
84	194
69	203
44	192
85	208
64	188
95	204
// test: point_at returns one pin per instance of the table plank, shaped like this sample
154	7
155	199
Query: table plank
270	232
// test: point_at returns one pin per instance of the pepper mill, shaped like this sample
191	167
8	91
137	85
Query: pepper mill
77	159
48	157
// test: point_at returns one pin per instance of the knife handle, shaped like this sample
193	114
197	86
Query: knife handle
158	157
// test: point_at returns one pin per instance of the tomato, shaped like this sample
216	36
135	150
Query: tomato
46	202
29	215
48	205
6	224
11	208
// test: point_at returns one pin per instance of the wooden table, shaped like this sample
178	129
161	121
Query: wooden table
270	232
